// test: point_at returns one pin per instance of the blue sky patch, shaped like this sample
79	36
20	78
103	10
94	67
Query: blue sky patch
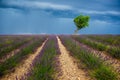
56	17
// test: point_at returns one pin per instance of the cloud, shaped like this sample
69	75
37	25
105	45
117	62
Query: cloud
52	16
35	5
102	22
46	5
100	12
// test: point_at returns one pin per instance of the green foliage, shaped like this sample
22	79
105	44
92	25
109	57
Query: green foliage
86	57
104	73
91	61
100	46
106	39
114	51
96	66
5	50
44	66
96	45
13	61
81	21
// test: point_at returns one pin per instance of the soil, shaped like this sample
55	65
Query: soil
24	66
12	53
69	69
108	60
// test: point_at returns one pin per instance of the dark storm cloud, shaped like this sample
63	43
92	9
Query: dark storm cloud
100	11
64	8
68	11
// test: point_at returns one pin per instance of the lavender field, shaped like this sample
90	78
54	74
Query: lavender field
59	57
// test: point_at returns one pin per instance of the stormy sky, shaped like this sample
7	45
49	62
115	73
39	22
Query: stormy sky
56	16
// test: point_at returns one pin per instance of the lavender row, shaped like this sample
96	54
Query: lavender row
7	66
112	40
44	65
113	51
94	65
13	43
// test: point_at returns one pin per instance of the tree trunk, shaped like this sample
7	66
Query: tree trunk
76	32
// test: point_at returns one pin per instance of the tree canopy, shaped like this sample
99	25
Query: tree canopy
81	22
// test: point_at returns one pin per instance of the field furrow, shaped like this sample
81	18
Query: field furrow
12	53
94	65
109	40
69	69
24	67
59	57
10	64
102	55
110	50
12	44
45	66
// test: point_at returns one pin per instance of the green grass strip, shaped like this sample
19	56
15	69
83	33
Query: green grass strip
95	65
44	65
6	50
12	62
113	51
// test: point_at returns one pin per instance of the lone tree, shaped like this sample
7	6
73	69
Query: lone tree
81	22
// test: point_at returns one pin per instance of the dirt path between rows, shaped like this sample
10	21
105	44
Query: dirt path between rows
24	66
69	69
12	53
103	56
